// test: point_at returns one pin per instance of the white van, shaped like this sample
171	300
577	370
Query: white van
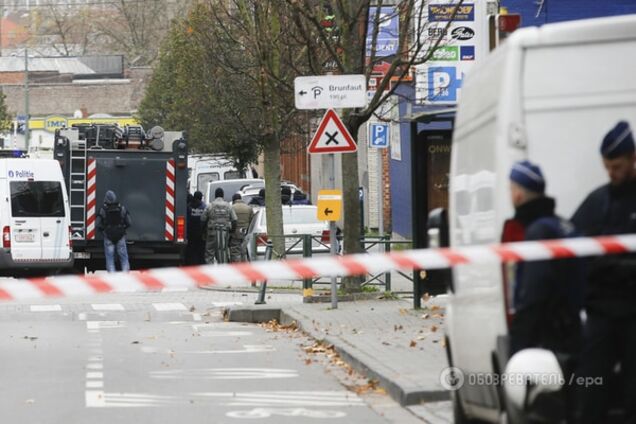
548	95
204	169
34	216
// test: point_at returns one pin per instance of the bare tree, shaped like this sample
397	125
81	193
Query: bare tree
339	30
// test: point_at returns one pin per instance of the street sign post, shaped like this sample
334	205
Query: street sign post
330	91
332	136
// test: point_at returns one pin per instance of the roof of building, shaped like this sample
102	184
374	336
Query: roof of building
63	65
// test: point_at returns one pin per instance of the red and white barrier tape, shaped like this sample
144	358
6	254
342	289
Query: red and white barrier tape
321	266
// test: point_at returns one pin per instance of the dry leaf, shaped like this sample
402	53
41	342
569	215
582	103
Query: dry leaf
434	328
435	308
425	316
192	309
443	343
413	343
308	361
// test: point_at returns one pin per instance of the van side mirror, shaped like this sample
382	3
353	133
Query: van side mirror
437	228
533	384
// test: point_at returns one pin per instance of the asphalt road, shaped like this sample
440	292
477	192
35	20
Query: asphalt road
166	358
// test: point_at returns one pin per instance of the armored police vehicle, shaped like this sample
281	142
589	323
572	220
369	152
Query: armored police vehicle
147	171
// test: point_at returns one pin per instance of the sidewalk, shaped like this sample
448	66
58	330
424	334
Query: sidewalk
385	340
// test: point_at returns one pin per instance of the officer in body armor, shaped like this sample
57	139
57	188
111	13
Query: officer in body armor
113	220
218	220
244	214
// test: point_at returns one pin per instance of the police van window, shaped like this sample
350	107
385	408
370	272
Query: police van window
204	179
232	175
36	199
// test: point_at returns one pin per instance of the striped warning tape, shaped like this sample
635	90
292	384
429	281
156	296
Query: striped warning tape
321	266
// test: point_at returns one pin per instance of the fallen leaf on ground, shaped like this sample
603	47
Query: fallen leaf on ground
404	311
413	343
434	328
425	316
443	343
307	361
435	308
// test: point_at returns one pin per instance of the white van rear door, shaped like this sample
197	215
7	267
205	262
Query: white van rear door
25	225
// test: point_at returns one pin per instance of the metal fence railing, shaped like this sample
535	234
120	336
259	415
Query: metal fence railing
309	245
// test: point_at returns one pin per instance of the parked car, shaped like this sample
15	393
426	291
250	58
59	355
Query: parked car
523	103
297	220
230	187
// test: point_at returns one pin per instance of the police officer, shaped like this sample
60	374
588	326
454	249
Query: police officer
244	215
610	295
546	293
195	252
218	219
113	220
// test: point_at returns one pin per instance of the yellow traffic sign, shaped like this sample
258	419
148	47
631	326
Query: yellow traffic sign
329	205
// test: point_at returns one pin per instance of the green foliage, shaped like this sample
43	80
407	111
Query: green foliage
5	116
190	91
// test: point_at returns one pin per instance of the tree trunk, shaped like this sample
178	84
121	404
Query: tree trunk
351	230
271	151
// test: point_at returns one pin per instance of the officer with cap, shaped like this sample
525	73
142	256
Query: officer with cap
545	292
218	220
610	295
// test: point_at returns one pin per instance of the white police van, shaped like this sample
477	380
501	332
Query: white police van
548	95
34	216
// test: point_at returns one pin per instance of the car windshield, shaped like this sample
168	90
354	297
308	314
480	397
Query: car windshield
36	198
204	179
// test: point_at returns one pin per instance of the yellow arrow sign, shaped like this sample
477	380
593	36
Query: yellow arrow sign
329	205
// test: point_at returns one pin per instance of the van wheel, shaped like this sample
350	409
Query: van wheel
459	416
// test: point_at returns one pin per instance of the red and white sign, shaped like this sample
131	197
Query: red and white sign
332	136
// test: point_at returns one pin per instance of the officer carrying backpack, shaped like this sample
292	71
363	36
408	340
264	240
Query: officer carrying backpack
114	225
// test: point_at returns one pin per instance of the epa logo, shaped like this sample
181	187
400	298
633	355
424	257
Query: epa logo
11	174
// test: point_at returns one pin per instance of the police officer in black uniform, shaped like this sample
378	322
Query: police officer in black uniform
547	297
610	302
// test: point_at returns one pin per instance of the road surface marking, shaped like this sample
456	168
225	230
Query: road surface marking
174	289
46	308
99	325
95	366
108	307
98	384
285	412
94	399
247	349
166	307
225	333
94	374
225	374
95	358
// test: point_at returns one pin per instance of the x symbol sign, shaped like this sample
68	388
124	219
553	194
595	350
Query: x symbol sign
331	137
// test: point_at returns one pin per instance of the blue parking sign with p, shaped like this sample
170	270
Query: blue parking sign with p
379	135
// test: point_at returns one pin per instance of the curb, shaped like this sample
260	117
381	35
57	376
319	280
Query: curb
357	359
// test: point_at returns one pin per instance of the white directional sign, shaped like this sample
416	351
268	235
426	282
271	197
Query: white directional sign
330	91
332	136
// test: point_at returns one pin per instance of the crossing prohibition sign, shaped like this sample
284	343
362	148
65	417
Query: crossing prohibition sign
332	136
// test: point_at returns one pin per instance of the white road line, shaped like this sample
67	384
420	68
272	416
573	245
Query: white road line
225	374
225	333
95	399
46	308
100	325
108	307
95	366
98	384
166	307
95	358
94	374
81	316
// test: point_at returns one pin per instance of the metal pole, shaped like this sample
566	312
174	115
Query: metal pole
380	195
332	232
26	99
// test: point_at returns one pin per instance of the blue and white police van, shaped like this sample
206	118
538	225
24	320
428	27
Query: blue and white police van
34	217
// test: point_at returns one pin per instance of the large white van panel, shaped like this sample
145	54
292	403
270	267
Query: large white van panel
569	112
